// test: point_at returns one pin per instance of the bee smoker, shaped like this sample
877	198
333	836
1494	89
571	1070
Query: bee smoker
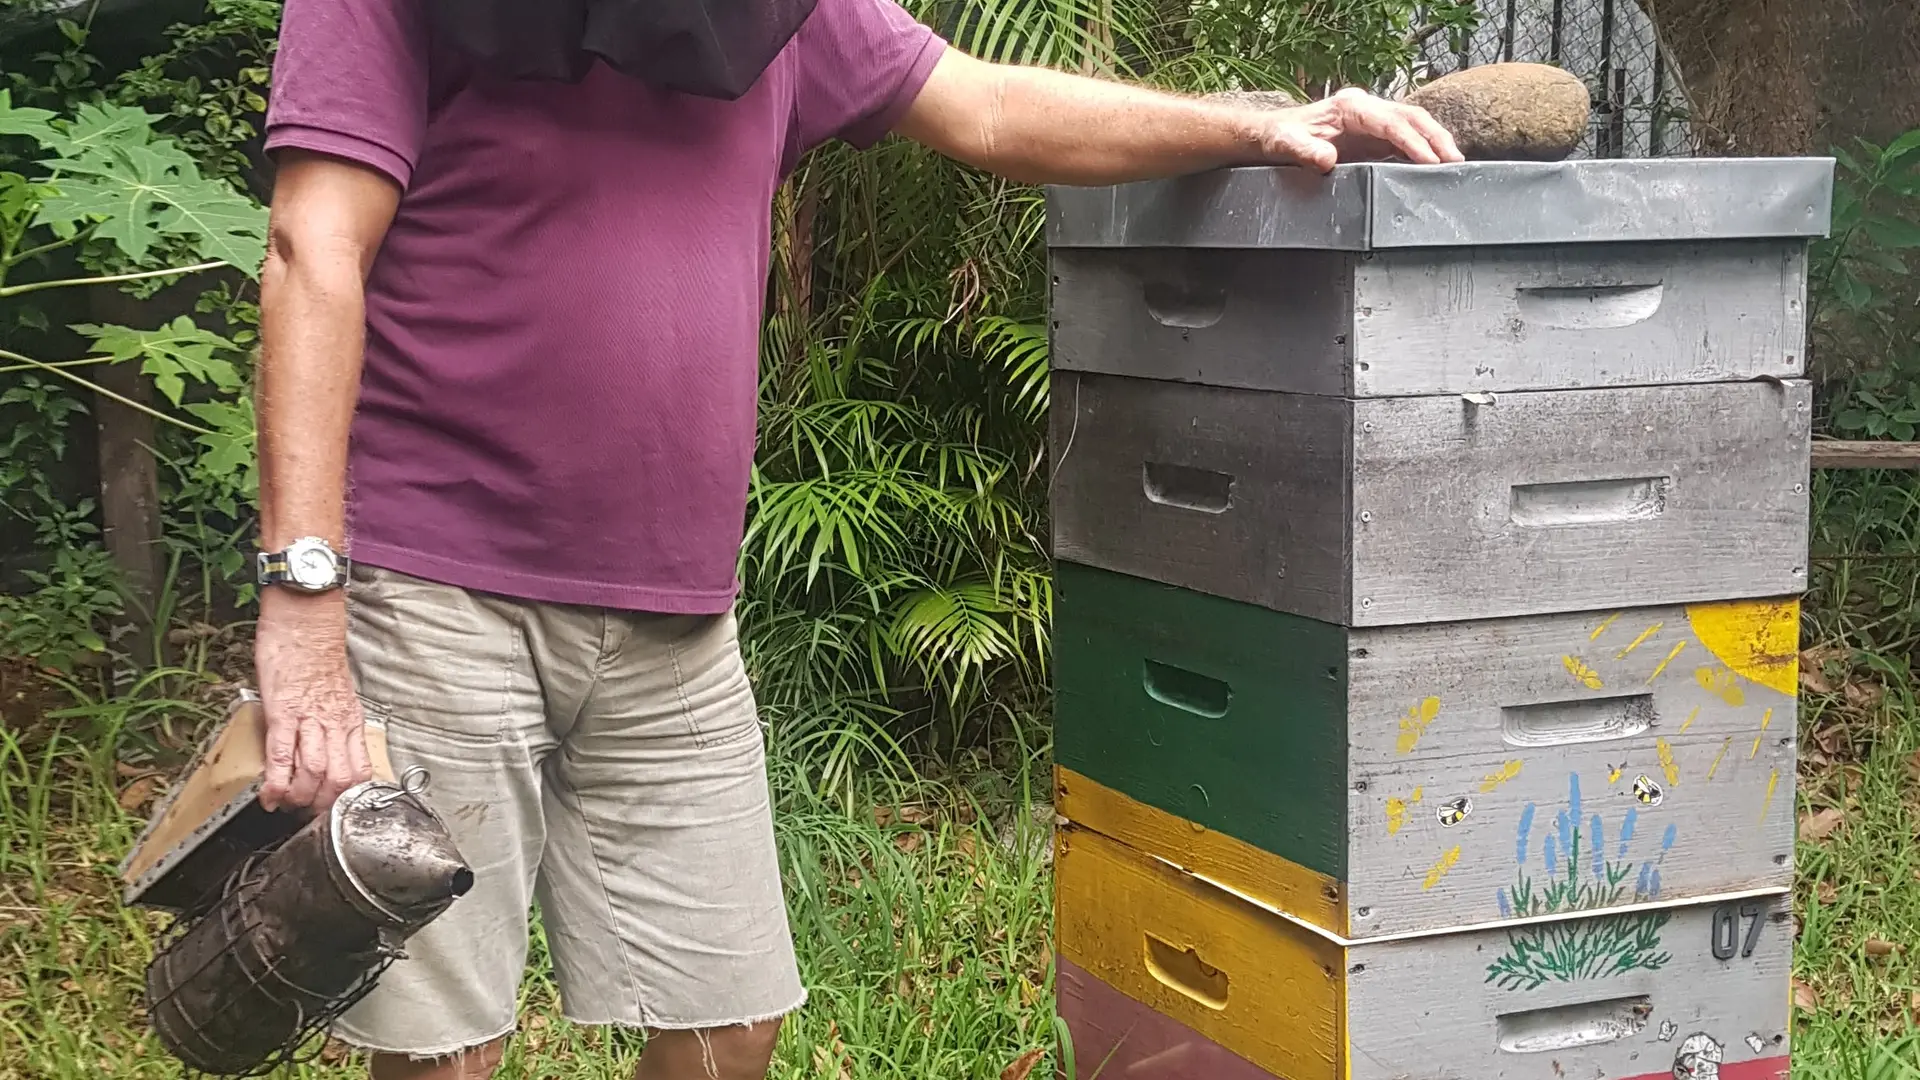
283	925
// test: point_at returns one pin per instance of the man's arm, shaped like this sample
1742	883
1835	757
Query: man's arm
1047	127
328	219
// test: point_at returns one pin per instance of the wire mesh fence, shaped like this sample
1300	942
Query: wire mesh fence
1639	109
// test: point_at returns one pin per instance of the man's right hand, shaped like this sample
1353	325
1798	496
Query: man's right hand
316	735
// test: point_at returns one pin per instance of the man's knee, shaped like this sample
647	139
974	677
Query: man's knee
477	1063
750	1046
733	1052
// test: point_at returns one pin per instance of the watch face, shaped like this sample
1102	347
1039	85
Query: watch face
311	567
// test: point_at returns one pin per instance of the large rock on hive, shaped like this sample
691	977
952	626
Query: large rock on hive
1509	112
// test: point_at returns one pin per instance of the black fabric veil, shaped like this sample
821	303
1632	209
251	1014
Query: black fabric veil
712	48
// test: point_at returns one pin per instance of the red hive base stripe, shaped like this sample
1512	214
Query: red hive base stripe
1116	1036
1763	1069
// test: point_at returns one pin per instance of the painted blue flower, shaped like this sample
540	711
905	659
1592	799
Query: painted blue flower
1596	839
1506	909
1526	830
1626	829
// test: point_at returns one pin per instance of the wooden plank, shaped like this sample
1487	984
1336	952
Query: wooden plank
1264	988
1237	493
1116	1036
130	500
1623	995
1868	454
1227	715
1261	875
1547	763
1574	500
1453	321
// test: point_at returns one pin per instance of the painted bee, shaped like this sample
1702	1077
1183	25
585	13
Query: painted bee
1648	791
1455	812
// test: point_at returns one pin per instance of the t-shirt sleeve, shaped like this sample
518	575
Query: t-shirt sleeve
861	64
350	79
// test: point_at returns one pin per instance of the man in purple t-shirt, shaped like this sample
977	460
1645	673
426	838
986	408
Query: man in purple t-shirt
510	343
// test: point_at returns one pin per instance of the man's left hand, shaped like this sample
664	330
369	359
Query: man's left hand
1354	125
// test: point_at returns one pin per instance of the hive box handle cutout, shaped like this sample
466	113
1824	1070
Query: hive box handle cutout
1589	502
1579	720
1589	307
1185	307
1186	487
1186	690
1568	1027
1182	971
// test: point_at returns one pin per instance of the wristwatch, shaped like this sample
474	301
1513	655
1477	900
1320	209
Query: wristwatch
309	565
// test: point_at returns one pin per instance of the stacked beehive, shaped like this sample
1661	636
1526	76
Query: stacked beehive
1428	549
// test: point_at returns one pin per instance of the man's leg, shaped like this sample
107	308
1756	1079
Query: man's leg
475	1064
733	1053
448	674
660	886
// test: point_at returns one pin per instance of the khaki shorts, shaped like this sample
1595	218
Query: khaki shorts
607	764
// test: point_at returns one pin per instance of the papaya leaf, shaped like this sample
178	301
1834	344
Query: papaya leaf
229	448
35	124
140	193
97	129
171	354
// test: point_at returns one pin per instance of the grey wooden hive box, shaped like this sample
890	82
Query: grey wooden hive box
1384	280
1402	394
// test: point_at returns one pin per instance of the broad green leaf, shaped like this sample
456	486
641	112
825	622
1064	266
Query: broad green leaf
35	124
140	193
17	196
229	450
1893	232
171	354
98	128
1885	260
1850	290
1899	149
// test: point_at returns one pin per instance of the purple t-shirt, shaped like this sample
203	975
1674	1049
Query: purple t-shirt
563	324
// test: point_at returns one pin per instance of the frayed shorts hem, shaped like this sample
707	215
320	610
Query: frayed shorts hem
412	1054
663	1024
